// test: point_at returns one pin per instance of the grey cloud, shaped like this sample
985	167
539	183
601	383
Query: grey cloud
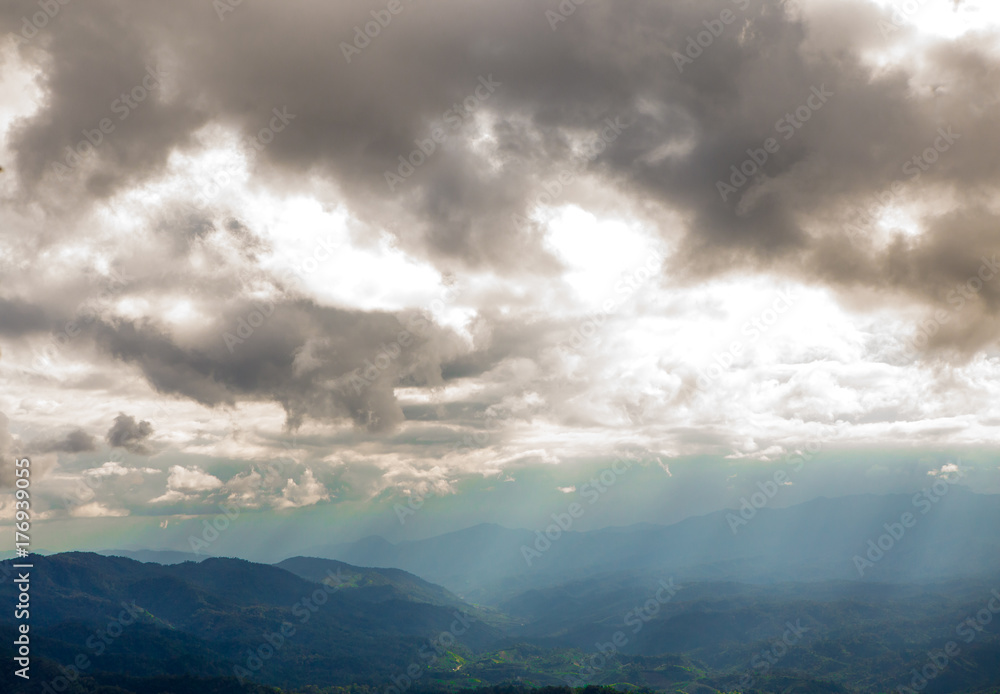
319	363
18	317
129	434
94	58
76	441
352	121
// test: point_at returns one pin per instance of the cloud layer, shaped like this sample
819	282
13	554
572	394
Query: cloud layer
477	237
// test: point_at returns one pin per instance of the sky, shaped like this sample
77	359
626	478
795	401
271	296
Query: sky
402	267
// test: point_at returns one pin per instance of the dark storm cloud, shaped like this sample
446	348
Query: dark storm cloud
98	60
76	441
129	434
18	317
319	363
689	122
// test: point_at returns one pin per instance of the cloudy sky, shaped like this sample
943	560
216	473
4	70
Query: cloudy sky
326	261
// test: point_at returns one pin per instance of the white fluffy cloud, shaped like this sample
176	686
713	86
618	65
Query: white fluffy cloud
96	509
183	483
306	492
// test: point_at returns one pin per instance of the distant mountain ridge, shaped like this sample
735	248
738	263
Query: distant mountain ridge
155	556
414	588
814	541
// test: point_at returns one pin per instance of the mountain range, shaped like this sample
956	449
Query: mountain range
779	605
815	541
